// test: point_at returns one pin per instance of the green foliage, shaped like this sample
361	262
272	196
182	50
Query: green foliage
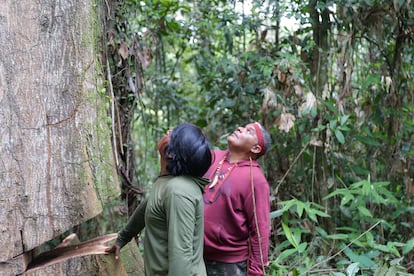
366	233
335	92
296	217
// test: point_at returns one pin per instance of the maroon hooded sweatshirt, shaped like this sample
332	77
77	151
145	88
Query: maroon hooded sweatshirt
236	226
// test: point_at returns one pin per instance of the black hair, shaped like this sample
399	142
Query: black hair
188	151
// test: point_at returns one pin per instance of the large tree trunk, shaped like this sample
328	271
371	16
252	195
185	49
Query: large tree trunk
56	161
319	73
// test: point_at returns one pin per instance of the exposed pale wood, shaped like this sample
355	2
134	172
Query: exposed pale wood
102	265
64	252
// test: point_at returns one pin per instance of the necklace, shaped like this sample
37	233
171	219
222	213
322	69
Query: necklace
220	177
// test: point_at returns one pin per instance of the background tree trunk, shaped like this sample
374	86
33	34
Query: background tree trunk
56	161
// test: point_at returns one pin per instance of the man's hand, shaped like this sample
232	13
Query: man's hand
114	249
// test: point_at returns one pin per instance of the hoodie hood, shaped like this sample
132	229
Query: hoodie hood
201	182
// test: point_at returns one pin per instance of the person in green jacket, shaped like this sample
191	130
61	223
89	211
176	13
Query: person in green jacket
173	213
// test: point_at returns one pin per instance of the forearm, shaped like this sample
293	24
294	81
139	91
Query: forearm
134	225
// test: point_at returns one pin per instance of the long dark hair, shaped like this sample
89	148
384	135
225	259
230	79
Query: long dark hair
188	151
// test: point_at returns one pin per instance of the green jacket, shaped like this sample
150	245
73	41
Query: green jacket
174	227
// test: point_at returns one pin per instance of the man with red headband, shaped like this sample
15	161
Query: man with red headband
237	206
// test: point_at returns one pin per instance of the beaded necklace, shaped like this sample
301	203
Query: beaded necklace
219	178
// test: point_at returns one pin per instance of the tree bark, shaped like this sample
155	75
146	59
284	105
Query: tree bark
56	161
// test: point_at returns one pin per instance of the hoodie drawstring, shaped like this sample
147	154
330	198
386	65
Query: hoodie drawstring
259	237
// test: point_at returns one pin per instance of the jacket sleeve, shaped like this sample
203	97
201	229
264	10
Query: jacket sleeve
258	209
134	225
181	220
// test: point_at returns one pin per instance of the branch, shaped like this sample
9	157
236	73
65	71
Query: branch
347	246
287	172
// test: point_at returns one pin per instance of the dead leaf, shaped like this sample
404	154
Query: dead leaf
315	142
145	57
123	51
298	90
286	122
310	102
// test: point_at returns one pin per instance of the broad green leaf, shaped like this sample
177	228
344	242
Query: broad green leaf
364	211
276	214
185	7
344	119
338	236
366	188
382	247
339	136
166	3
289	235
369	238
344	128
352	269
367	140
363	260
331	106
288	204
297	233
359	184
381	271
173	25
346	199
321	214
396	261
360	170
228	103
337	192
302	247
408	246
312	215
389	197
294	272
283	245
399	244
321	231
392	271
285	253
299	209
320	127
349	229
390	248
382	183
345	210
393	249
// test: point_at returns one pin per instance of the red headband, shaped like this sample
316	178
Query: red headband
259	135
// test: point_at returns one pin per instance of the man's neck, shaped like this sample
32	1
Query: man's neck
234	157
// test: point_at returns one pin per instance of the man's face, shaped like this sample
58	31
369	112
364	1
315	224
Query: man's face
243	138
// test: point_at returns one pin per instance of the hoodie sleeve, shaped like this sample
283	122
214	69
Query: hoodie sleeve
258	209
134	225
